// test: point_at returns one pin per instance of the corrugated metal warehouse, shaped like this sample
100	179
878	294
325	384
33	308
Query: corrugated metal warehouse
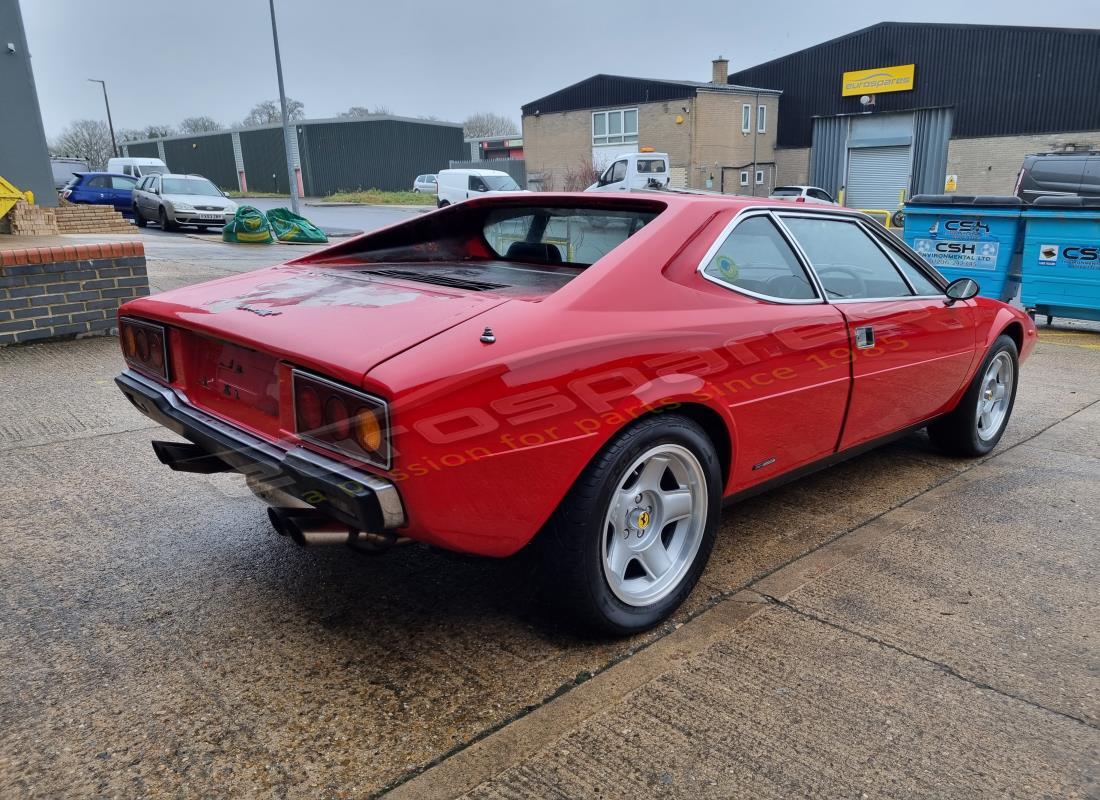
375	152
900	106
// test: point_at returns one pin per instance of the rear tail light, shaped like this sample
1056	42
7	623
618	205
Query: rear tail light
145	347
341	419
800	199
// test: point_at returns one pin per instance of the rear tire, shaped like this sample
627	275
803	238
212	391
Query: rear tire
139	220
979	420
631	538
441	203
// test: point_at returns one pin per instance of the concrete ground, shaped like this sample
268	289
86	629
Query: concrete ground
900	625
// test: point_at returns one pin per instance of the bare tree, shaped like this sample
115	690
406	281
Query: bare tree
486	123
88	139
199	125
129	134
268	112
580	176
157	131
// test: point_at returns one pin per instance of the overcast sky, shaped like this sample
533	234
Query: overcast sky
164	61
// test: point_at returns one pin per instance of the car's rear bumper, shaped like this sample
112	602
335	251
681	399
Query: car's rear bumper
356	498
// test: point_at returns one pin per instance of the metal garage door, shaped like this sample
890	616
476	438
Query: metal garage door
876	176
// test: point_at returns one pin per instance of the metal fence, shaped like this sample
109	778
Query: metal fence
516	167
376	152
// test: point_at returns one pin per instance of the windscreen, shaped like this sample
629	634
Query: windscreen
500	183
152	169
577	236
190	186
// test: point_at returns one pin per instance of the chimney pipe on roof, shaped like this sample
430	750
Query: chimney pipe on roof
720	71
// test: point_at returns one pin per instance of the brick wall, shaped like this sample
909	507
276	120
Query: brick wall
555	143
26	219
718	140
792	165
62	292
80	218
990	165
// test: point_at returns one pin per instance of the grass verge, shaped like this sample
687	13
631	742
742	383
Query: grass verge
378	197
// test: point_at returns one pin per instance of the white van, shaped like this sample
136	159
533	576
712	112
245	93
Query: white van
456	185
138	167
634	171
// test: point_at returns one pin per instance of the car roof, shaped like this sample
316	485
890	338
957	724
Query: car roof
139	160
88	174
179	175
471	172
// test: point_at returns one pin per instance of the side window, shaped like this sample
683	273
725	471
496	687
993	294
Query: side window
98	182
921	282
127	170
819	194
756	257
477	184
618	171
119	182
848	263
154	183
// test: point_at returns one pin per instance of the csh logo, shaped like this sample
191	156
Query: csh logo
971	226
1081	253
956	247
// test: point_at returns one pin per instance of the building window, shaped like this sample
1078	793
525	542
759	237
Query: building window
761	119
615	127
759	177
744	177
746	118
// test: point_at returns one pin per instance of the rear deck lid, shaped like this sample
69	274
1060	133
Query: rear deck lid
337	320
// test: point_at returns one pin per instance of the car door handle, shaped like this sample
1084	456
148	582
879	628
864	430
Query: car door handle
865	337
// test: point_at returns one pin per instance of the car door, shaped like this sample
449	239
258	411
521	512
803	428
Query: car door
122	193
151	198
782	368
95	190
911	352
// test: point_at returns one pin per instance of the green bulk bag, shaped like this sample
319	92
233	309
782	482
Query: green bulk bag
289	227
249	226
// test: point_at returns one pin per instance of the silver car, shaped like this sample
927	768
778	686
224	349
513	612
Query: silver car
174	200
424	183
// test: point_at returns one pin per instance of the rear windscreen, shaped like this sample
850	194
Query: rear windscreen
578	236
786	191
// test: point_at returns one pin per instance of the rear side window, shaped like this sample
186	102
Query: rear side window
98	182
650	165
756	258
849	265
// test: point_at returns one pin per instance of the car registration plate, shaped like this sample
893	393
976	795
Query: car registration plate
210	216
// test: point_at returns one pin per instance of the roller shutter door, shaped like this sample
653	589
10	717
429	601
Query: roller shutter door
876	176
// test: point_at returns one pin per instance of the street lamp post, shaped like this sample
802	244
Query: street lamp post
286	120
110	124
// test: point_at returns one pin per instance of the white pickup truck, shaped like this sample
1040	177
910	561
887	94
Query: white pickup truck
633	171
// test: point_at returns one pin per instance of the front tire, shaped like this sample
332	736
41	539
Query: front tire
139	220
979	420
165	225
631	538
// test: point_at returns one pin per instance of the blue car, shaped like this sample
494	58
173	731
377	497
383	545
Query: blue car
101	189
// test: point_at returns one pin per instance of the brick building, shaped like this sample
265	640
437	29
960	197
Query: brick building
717	135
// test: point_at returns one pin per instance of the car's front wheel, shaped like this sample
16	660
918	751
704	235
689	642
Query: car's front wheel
139	220
630	540
980	418
165	224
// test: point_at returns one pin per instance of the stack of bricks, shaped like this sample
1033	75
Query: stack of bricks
66	292
78	218
31	220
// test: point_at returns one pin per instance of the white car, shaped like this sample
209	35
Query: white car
634	171
802	194
424	183
136	167
456	185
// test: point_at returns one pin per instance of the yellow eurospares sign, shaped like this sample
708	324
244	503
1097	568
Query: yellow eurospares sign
877	81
